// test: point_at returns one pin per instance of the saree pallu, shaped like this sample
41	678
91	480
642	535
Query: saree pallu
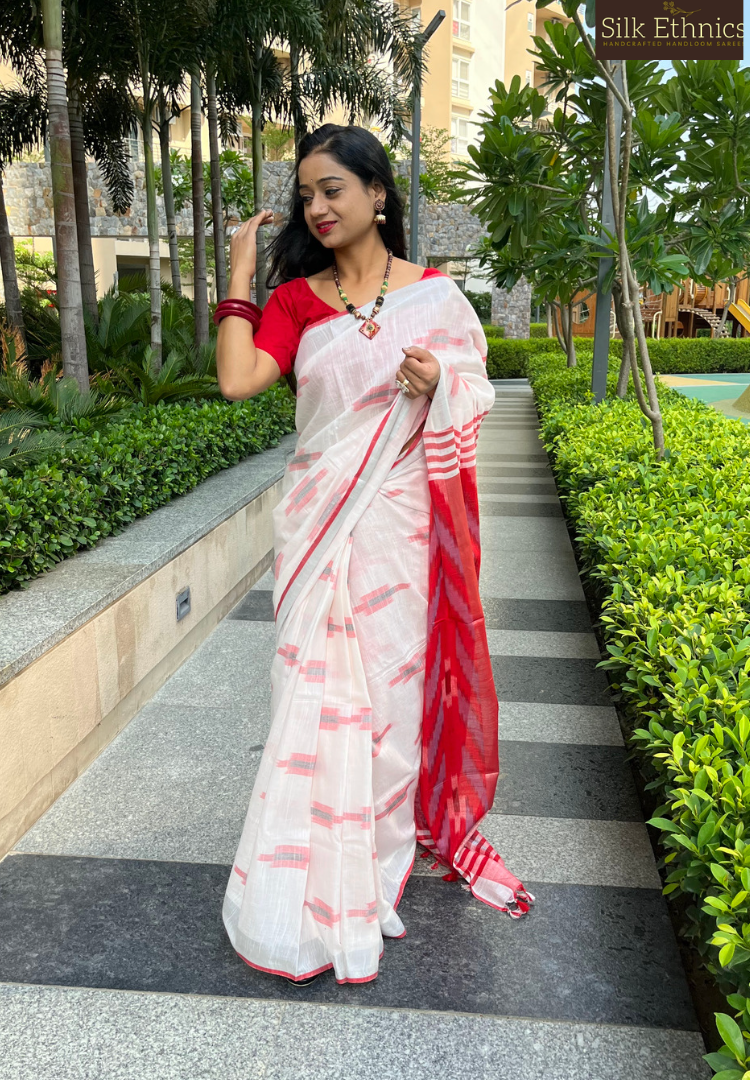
384	712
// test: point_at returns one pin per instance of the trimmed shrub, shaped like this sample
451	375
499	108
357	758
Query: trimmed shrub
665	547
669	356
538	330
99	483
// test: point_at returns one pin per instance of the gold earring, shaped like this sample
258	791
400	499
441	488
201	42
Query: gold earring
379	215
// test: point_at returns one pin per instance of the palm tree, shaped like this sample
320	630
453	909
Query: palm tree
200	290
169	208
367	59
23	118
70	302
249	76
217	209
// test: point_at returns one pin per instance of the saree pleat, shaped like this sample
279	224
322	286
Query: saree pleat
384	715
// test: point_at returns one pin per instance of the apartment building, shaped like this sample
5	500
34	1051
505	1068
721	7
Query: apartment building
479	42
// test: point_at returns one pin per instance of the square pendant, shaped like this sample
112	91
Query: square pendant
369	328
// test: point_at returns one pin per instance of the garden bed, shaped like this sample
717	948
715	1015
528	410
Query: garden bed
664	554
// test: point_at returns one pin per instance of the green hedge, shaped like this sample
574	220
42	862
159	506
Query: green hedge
538	330
493	331
507	359
665	546
100	483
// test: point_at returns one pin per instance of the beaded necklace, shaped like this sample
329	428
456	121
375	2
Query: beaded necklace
369	327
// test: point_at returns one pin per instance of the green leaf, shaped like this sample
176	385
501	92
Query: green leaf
664	824
730	1032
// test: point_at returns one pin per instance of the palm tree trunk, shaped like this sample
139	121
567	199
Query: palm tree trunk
217	210
298	114
13	308
166	179
81	194
199	229
152	221
261	292
70	303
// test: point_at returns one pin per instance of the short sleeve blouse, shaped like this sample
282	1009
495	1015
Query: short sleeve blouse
291	308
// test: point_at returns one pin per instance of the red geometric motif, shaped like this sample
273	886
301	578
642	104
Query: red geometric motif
306	490
378	738
314	671
421	536
304	459
289	651
379	598
395	801
322	912
409	669
298	764
326	816
377	396
369	914
288	855
331	719
438	339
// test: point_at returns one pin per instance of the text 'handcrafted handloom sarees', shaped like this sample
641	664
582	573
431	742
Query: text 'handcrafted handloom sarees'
384	712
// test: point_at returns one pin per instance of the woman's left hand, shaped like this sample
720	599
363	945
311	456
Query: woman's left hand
422	370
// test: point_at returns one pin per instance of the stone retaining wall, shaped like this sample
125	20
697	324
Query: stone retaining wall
447	230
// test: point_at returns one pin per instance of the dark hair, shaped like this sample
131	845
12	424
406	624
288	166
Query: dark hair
294	251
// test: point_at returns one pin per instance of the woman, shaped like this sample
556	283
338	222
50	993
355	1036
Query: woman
384	714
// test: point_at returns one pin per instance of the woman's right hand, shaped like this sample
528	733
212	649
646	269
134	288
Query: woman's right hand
242	246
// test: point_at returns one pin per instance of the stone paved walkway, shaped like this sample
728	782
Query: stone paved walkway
113	959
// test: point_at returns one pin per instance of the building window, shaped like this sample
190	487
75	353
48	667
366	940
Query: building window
460	77
530	22
581	312
529	76
461	20
459	136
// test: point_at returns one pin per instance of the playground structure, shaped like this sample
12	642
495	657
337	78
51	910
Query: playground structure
688	309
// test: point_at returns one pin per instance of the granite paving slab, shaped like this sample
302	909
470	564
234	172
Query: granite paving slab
82	1034
561	780
609	953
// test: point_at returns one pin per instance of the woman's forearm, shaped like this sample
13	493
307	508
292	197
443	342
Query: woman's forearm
235	351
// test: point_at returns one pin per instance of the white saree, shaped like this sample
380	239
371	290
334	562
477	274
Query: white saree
330	834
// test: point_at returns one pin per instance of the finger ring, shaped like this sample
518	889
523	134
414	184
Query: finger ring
403	386
233	230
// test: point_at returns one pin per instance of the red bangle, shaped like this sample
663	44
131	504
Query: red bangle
245	309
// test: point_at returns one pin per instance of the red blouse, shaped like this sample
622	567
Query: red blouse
290	308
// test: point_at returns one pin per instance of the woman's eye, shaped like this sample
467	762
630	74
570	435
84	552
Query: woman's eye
332	191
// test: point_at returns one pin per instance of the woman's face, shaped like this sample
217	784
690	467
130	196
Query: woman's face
338	208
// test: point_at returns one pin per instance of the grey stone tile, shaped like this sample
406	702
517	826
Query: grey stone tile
503	536
515	488
585	953
83	1034
539	643
502	455
488	502
266	582
530	721
175	784
329	1043
532	575
568	851
516	508
231	668
255	606
559	616
560	681
557	780
526	472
